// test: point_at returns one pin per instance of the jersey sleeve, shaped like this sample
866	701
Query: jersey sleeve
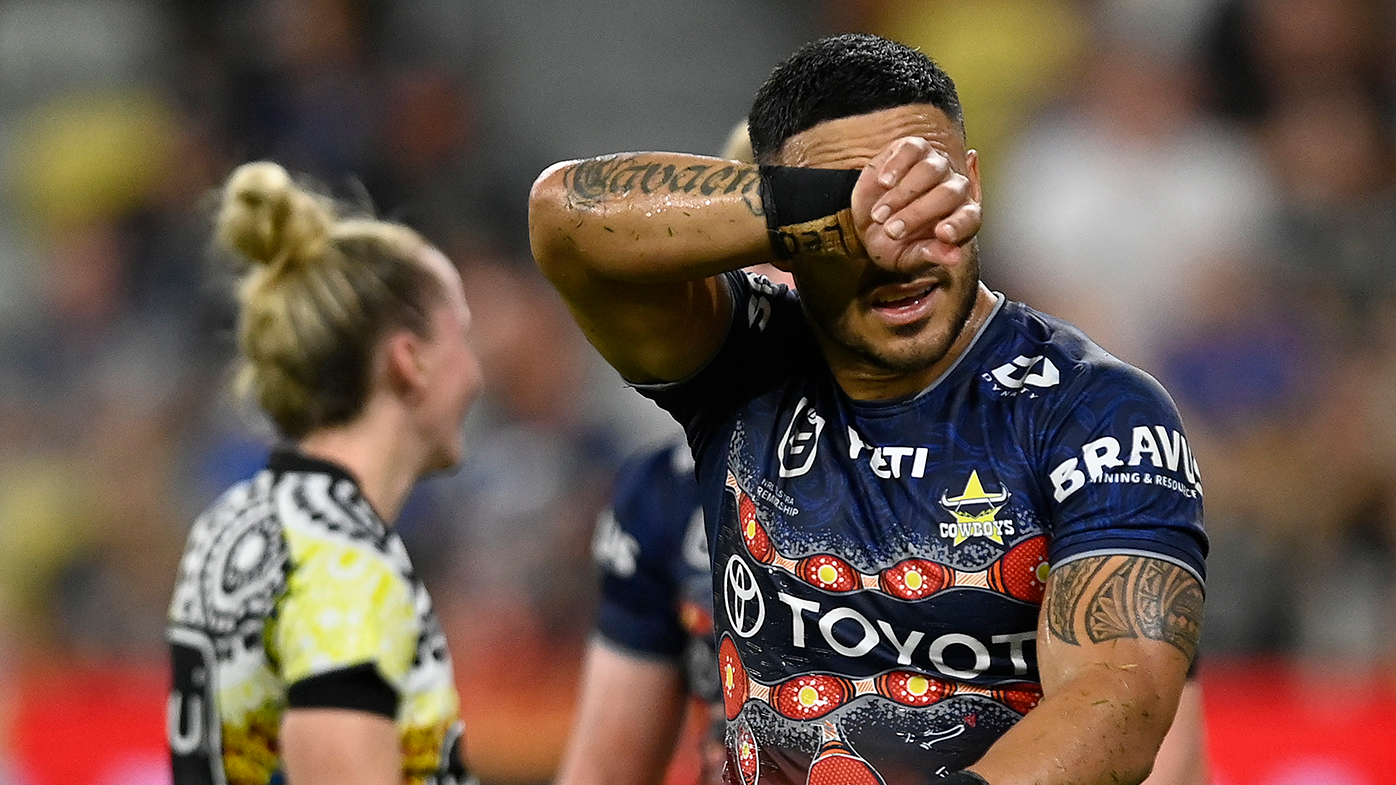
768	338
1120	476
636	543
345	608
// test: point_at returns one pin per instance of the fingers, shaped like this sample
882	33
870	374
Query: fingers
925	197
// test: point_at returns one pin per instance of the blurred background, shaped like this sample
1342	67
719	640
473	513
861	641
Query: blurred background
1208	187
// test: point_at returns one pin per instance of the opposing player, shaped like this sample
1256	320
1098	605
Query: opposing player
951	536
304	647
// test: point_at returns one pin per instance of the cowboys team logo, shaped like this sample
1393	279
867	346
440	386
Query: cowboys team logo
976	513
746	608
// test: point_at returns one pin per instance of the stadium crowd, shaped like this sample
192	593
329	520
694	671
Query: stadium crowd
1207	187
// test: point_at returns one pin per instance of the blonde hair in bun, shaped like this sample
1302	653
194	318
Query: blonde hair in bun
318	293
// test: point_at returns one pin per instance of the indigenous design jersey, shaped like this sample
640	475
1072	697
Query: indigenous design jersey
879	566
656	586
292	592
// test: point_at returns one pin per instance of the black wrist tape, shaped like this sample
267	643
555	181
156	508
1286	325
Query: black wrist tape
808	210
963	777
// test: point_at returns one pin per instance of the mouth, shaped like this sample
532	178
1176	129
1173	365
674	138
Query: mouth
904	303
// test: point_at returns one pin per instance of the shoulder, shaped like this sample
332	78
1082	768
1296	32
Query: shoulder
1049	356
233	564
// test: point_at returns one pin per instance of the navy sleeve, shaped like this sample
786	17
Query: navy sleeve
767	342
1119	474
638	539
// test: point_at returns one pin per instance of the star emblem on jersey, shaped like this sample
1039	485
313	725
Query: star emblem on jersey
976	512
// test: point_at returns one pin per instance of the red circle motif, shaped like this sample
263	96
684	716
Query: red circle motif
842	768
1022	572
811	696
748	761
914	579
912	689
827	571
732	674
1020	699
758	543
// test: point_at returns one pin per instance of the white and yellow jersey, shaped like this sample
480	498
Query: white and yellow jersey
293	593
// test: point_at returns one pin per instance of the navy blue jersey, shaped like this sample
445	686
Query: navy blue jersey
879	566
656	580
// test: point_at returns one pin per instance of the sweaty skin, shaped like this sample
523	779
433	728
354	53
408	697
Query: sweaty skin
636	259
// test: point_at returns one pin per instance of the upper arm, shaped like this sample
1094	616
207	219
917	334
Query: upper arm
634	243
627	721
321	746
1131	619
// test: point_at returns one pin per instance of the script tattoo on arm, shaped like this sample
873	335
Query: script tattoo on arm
597	180
1126	597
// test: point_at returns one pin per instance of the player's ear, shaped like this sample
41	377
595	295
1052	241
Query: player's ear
972	172
403	363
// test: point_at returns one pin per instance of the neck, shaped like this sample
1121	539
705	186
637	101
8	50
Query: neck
372	449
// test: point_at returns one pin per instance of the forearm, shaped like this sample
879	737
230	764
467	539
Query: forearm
646	218
1103	727
627	722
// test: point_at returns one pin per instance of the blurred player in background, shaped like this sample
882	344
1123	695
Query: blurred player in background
951	536
304	647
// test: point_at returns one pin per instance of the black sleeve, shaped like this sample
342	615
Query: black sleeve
358	687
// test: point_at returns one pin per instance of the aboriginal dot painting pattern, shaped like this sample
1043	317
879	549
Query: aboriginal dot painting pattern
811	696
1021	573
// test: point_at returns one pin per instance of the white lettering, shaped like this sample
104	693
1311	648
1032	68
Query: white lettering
1144	444
187	742
826	626
896	454
878	464
855	444
1189	464
1015	643
937	652
904	648
1101	454
797	621
1066	479
1172	448
918	466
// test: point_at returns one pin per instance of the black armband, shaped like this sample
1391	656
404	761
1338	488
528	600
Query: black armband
962	777
808	211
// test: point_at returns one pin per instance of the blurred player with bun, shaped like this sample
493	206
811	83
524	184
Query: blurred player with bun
304	647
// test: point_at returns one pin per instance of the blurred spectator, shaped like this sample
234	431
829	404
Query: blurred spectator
1009	58
1125	200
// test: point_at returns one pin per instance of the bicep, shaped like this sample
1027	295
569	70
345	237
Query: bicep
1137	616
324	746
627	721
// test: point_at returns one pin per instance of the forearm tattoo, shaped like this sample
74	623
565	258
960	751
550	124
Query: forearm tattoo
1110	597
598	180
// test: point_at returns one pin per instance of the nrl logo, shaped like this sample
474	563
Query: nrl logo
976	512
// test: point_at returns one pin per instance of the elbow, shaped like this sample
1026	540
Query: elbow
548	218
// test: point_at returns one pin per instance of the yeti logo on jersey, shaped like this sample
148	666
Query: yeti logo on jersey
801	441
976	513
746	608
1025	371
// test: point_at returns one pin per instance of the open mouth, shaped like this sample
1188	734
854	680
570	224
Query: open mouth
904	303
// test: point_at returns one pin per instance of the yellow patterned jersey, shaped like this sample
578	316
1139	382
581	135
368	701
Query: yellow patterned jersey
293	593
